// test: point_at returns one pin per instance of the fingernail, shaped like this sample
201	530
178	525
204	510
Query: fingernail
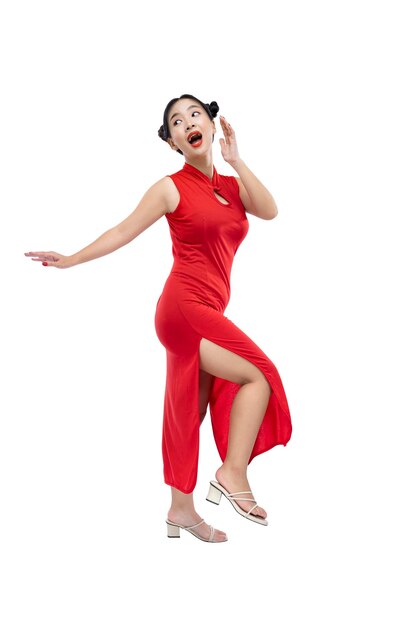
44	263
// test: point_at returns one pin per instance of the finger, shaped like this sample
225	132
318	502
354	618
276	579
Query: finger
228	132
45	263
230	129
43	256
225	123
42	259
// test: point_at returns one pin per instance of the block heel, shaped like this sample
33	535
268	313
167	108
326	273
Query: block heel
214	495
173	531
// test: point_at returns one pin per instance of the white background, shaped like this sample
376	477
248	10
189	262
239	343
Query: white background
322	99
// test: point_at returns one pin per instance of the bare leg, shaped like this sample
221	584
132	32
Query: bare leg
206	382
246	416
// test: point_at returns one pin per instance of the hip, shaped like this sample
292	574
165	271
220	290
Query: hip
186	290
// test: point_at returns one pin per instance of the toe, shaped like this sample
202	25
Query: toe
259	511
219	535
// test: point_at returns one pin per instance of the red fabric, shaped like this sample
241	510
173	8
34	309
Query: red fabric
205	236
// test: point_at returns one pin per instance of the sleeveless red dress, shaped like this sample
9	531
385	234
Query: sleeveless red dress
206	234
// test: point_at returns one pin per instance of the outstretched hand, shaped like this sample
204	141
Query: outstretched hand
52	259
228	145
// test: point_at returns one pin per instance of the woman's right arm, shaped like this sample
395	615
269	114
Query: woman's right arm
155	203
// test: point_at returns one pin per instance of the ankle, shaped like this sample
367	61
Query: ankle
182	502
182	508
183	516
235	472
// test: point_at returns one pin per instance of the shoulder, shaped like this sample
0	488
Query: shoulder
238	182
166	188
240	188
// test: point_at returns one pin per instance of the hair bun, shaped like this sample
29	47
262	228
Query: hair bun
214	108
162	133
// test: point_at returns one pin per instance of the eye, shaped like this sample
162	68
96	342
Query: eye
175	122
197	112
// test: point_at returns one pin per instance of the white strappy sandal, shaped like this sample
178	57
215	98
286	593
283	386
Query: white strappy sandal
217	490
173	530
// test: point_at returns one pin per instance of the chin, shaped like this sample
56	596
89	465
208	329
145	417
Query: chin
199	152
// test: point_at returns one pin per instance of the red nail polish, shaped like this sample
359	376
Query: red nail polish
44	263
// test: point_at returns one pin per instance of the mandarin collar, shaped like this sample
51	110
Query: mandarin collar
214	182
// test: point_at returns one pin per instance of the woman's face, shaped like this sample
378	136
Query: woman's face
191	128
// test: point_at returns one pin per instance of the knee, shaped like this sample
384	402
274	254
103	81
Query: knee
262	379
269	388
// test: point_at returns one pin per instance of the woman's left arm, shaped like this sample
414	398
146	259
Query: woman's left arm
255	197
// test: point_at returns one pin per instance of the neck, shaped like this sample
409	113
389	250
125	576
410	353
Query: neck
204	163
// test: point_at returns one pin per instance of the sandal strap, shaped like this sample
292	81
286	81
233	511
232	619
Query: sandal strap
195	525
236	496
250	510
212	530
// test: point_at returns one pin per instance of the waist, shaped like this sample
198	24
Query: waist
201	287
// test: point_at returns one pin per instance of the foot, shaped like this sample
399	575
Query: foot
189	518
234	481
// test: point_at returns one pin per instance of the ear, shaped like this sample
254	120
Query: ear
172	144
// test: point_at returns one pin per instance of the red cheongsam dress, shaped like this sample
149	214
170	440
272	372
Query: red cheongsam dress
206	234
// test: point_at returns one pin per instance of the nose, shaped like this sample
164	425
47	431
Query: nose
189	125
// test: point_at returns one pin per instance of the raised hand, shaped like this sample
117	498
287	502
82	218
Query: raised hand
228	145
50	259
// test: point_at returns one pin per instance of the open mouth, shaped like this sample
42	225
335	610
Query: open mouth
195	139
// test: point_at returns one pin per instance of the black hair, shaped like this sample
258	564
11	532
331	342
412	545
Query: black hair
212	109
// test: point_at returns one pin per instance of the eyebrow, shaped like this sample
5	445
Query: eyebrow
190	107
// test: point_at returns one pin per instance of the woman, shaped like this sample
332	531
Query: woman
210	361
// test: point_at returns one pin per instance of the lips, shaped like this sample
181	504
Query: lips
195	139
